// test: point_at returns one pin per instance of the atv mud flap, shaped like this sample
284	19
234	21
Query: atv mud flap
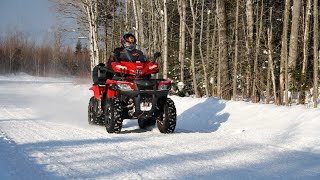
138	95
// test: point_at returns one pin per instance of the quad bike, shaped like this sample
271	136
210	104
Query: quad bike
132	94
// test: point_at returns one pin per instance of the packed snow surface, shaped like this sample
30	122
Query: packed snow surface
44	134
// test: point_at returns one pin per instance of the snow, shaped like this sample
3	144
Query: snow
44	134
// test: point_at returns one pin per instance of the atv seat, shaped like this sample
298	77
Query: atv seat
101	73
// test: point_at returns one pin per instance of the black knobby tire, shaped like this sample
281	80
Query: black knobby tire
100	120
92	119
145	123
168	119
113	115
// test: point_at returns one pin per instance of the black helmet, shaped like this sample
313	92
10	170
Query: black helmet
128	41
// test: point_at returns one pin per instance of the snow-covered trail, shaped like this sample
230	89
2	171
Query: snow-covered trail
44	134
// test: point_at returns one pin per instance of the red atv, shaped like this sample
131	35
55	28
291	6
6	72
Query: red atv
131	94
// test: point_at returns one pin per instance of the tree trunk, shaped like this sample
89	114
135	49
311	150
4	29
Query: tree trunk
179	5
135	12
250	55
205	81
91	8
126	17
193	34
165	40
113	27
149	49
255	94
305	52
207	63
315	52
182	39
270	64
284	54
214	58
235	63
219	93
106	8
244	77
293	46
223	51
140	38
154	28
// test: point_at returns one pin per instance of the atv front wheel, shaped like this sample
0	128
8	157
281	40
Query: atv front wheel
167	121
113	117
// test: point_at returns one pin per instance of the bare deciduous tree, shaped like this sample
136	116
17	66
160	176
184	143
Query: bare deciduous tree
284	55
194	12
225	89
255	94
305	52
293	46
182	4
315	52
205	74
235	63
270	64
165	40
86	13
250	53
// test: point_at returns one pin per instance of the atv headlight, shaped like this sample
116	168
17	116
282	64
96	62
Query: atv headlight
164	87
124	87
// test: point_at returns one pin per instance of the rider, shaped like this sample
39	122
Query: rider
127	51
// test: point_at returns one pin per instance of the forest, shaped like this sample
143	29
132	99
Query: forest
263	51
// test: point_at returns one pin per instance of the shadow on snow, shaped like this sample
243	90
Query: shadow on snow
201	164
205	117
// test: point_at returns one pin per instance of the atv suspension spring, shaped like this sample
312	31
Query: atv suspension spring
130	107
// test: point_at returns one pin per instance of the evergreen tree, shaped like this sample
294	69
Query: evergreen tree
78	46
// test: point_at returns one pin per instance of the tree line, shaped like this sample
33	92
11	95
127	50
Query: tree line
258	50
19	54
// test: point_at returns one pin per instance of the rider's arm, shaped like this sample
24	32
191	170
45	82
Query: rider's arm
116	53
142	56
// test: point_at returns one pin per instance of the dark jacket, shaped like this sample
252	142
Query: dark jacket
122	54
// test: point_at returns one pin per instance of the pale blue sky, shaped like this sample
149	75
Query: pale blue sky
34	17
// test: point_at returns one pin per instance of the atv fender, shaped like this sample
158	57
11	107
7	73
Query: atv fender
96	91
111	93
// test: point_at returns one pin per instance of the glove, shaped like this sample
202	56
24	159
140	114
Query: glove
156	55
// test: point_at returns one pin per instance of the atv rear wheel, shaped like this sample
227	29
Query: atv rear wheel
92	118
167	120
145	123
113	117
